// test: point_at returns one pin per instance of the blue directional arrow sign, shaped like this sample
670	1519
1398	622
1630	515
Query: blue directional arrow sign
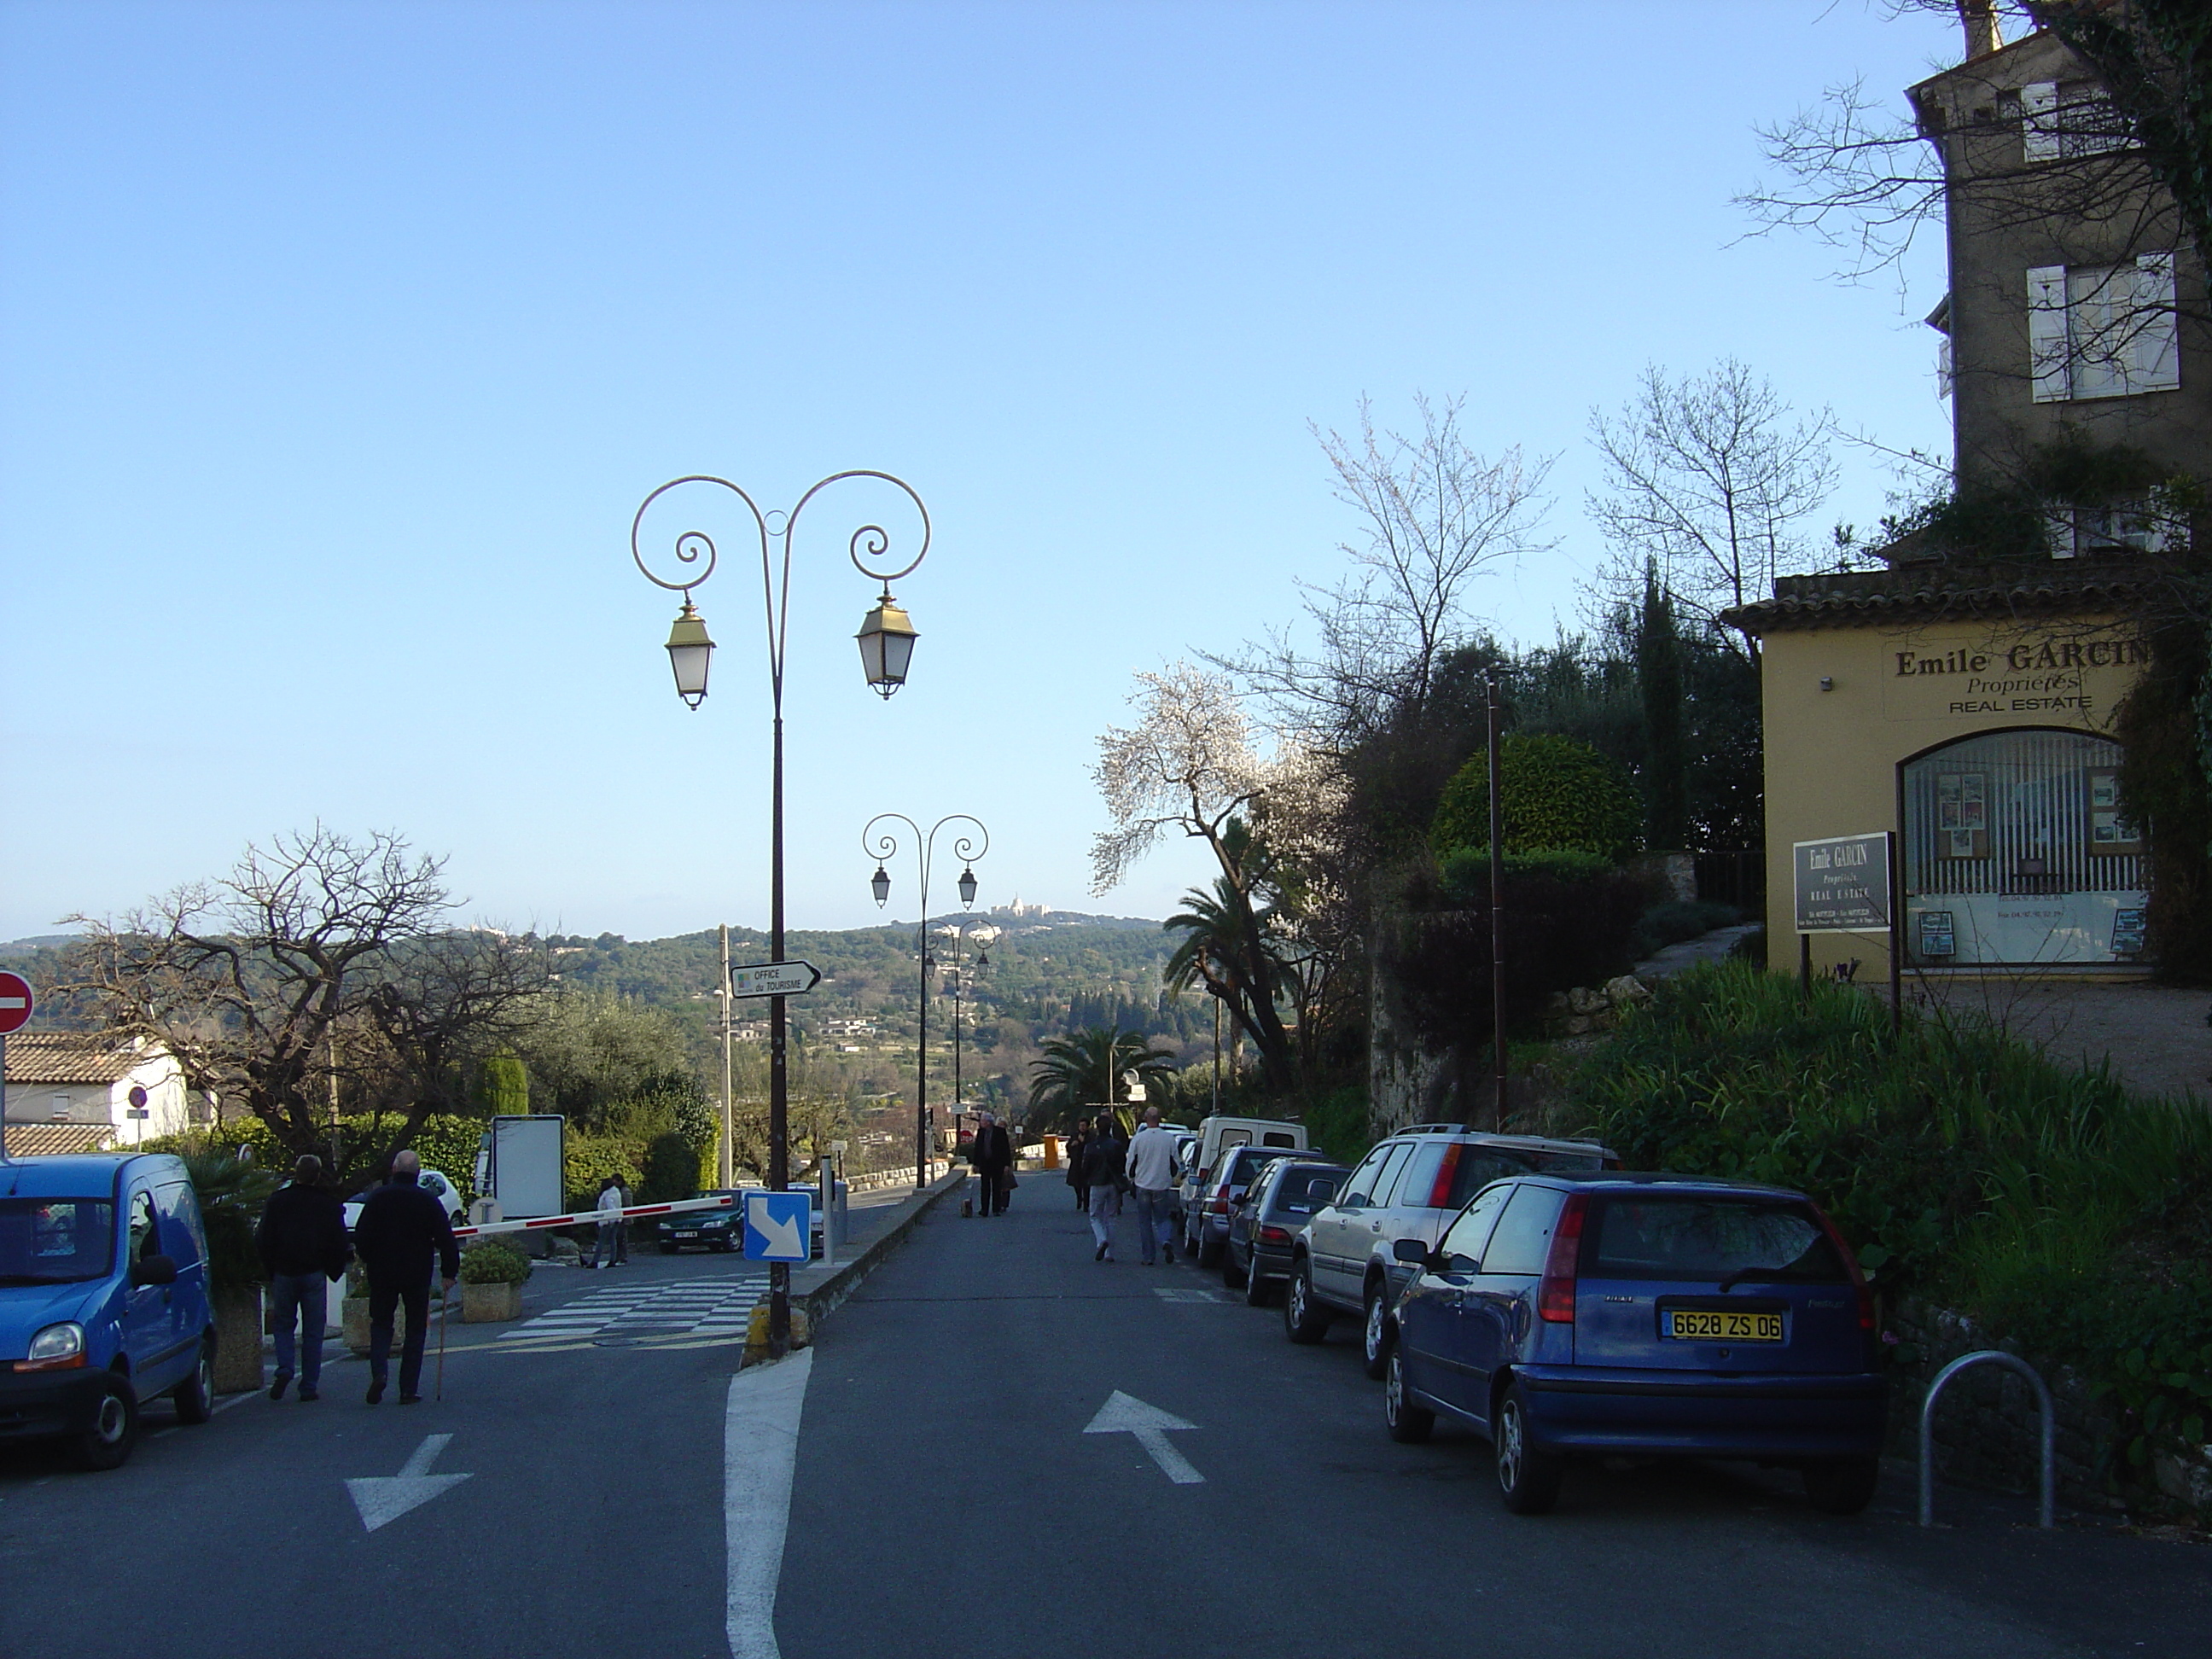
779	1226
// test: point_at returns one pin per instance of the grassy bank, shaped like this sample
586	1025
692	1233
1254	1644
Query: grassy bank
2053	1206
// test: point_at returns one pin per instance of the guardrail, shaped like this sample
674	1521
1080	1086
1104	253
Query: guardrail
2045	1419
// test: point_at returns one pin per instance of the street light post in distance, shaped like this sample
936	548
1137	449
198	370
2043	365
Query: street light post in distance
886	641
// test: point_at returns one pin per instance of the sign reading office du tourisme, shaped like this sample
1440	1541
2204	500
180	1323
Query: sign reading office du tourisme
1842	884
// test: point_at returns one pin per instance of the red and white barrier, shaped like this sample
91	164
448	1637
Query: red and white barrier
586	1217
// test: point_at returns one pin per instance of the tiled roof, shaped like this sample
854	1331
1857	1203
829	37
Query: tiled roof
36	1057
1932	592
57	1140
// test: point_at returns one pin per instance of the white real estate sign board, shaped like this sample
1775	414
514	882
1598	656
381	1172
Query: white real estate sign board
526	1165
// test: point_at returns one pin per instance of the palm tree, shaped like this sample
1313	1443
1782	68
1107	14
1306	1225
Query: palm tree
1230	942
1089	1069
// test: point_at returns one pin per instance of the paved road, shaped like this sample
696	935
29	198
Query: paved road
946	1501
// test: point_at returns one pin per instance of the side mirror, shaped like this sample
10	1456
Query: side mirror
1412	1252
154	1270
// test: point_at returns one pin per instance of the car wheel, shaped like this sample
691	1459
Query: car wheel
195	1396
1234	1276
1842	1486
106	1444
1258	1287
1304	1319
1409	1425
1527	1480
1376	1335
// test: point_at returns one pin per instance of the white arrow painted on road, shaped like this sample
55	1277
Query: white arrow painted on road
382	1498
1125	1415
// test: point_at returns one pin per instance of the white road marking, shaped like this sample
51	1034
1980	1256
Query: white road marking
1189	1293
760	1448
384	1498
1125	1415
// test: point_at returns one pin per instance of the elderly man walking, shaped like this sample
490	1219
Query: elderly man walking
1152	1174
402	1233
301	1237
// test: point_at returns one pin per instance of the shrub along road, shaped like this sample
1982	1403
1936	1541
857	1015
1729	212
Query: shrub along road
947	1501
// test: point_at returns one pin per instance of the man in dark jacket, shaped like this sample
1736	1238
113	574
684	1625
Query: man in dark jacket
302	1237
402	1231
991	1154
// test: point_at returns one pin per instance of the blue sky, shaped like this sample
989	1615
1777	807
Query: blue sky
340	342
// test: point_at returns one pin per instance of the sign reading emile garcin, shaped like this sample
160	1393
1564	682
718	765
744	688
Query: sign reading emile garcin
1842	884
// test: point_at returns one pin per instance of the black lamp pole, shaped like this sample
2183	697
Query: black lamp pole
886	641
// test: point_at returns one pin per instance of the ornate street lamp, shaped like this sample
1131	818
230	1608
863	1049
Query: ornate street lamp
967	848
690	652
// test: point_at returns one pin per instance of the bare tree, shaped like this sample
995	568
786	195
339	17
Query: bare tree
1435	516
319	971
1708	479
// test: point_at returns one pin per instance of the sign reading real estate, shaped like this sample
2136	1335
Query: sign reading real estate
1842	884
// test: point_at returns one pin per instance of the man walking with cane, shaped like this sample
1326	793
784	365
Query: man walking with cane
402	1233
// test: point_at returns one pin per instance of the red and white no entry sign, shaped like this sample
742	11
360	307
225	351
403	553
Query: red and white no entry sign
15	1002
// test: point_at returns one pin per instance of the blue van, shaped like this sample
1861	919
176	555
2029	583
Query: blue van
103	1299
1567	1316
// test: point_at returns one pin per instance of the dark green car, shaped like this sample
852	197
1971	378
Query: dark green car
705	1230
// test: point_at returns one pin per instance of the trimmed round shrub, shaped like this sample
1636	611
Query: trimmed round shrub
1558	793
494	1261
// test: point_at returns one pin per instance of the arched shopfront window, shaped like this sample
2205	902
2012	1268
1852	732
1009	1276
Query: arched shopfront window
2016	851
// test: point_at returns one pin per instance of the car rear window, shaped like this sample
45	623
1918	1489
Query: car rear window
1702	1236
1306	1190
1248	1163
46	1241
1478	1166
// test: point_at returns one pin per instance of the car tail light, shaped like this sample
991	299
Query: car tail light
1219	1206
1555	1297
1440	1193
1274	1235
1851	1267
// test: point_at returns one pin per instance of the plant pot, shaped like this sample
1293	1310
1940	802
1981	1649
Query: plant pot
353	1320
490	1305
238	1341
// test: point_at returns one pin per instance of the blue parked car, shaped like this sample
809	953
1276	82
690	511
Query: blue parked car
1645	1314
103	1299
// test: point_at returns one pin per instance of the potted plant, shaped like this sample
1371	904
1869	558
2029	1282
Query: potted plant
492	1272
231	1191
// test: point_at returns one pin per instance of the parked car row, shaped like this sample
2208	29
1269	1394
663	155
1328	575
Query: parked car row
1533	1292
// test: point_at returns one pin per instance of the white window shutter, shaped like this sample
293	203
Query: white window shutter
2048	369
2155	362
2058	532
2039	120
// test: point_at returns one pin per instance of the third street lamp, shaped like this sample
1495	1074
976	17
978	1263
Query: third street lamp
967	847
886	640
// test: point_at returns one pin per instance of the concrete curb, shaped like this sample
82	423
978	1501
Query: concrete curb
829	1286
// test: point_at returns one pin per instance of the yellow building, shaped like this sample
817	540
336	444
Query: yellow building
1974	718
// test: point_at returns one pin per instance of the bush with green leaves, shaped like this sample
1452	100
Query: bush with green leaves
494	1261
671	1170
588	1160
2060	1210
1463	873
1558	793
446	1144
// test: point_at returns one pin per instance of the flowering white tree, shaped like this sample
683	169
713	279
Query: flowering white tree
1187	764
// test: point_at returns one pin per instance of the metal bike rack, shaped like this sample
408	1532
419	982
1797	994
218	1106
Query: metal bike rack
2046	1471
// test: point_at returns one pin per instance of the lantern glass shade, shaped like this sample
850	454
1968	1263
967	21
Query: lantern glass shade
967	887
881	881
689	652
886	638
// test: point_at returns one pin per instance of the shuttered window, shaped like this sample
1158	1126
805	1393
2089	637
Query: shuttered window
2102	331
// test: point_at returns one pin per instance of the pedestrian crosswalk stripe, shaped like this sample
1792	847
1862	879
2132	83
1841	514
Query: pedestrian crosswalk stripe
649	1311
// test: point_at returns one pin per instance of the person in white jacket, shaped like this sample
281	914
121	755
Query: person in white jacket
1152	1173
614	1239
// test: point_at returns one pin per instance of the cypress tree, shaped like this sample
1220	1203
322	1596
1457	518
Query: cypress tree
1659	679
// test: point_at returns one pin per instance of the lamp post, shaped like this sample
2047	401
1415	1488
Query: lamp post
967	848
958	934
886	641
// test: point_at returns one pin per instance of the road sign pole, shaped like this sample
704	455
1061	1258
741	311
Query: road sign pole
4	1098
17	1005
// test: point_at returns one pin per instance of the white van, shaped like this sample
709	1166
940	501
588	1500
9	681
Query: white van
1197	1156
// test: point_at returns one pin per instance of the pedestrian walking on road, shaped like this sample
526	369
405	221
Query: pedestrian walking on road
1102	1168
991	1154
614	1236
402	1233
1150	1165
302	1237
1078	1144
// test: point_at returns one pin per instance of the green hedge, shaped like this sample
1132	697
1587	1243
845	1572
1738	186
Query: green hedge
1558	793
446	1144
2059	1210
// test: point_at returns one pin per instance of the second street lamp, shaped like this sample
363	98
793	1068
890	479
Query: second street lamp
967	847
886	641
